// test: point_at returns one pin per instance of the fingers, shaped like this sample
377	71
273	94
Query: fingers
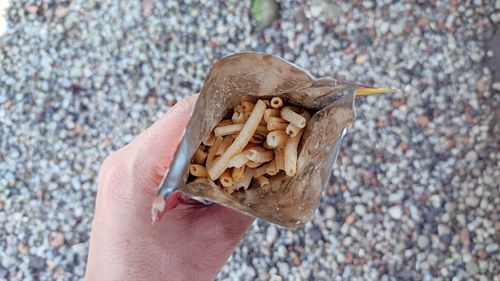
133	173
157	144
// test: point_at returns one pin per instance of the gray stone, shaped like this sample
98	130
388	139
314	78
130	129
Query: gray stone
423	242
471	268
396	212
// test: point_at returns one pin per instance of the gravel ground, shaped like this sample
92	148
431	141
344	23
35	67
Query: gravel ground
415	192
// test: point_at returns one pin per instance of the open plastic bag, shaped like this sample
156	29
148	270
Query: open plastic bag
292	201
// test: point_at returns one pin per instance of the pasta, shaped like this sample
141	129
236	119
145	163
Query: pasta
293	117
259	141
198	170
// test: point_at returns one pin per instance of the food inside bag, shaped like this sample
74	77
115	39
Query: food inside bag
262	139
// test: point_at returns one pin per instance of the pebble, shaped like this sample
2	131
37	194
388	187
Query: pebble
271	234
496	86
471	156
423	242
491	248
396	212
56	239
329	212
360	210
471	268
472	201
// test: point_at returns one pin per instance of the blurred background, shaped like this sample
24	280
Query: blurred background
415	190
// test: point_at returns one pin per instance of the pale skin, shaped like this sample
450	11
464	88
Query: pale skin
190	242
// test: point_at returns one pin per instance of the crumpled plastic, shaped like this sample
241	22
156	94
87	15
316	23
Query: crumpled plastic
292	200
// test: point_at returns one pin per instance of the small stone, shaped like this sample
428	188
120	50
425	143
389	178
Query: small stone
396	197
423	22
397	29
31	9
496	86
349	219
360	209
472	201
271	234
315	233
471	268
362	59
368	4
264	12
56	239
396	212
432	258
423	242
329	213
471	156
422	121
36	263
464	237
61	11
491	248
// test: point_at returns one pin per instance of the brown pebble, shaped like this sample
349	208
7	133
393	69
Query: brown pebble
422	22
397	103
481	254
362	58
56	239
23	248
422	121
296	261
31	9
404	146
350	219
464	237
349	258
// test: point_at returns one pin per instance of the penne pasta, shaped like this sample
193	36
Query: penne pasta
276	139
198	170
263	181
271	112
245	182
209	139
200	156
292	130
240	142
294	118
291	154
260	156
271	168
276	123
226	142
239	160
238	174
227	130
226	179
276	102
212	150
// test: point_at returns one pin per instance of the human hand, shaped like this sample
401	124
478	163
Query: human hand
191	241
